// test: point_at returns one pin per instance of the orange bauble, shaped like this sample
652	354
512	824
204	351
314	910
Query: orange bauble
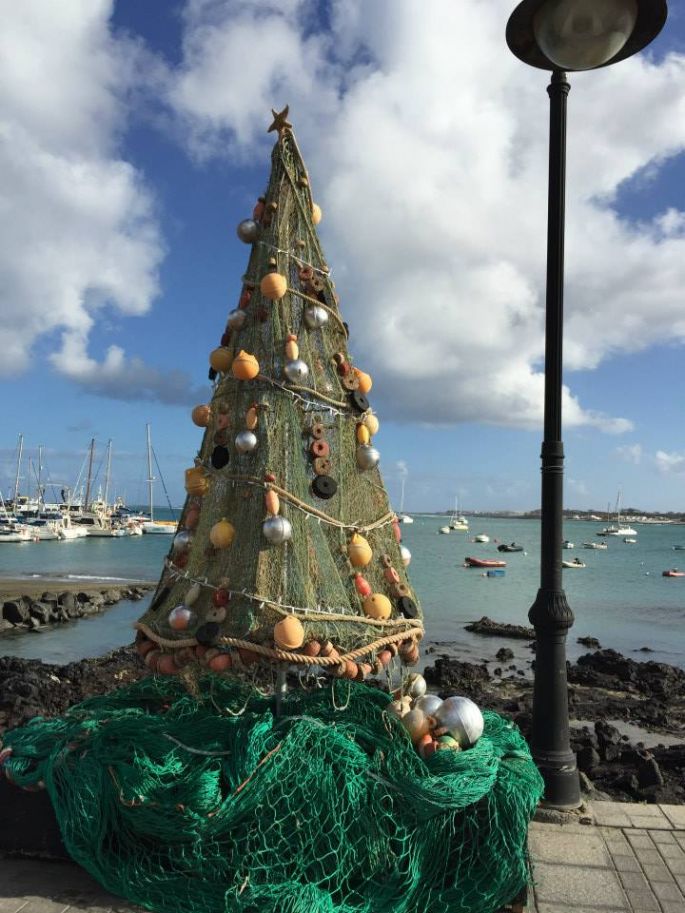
377	606
359	551
196	482
365	382
245	366
220	359
289	633
222	534
272	503
273	286
201	415
316	213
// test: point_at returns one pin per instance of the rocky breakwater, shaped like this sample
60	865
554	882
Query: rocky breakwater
32	608
627	719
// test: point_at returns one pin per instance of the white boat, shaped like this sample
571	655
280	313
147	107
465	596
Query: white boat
458	522
152	526
44	530
575	563
629	541
481	537
445	530
618	528
67	533
596	545
15	532
567	544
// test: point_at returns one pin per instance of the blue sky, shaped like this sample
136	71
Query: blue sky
131	157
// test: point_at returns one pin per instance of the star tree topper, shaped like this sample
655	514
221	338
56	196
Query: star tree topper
280	121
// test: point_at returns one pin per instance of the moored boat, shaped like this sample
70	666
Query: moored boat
481	537
567	544
597	546
512	547
674	572
483	562
445	530
575	563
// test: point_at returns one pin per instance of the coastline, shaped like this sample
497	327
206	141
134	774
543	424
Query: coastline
36	602
627	716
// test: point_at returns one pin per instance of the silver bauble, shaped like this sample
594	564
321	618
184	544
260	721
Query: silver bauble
236	319
415	685
182	541
277	529
367	456
462	719
429	703
180	618
315	317
406	555
245	441
248	231
296	371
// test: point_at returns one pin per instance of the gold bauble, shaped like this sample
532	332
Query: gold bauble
371	422
317	215
377	606
220	359
289	633
363	434
222	534
359	551
245	366
273	286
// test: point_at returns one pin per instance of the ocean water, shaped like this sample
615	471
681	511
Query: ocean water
620	597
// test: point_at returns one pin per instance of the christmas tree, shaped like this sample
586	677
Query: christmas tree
288	550
201	792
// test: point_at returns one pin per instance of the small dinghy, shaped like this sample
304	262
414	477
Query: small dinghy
484	562
674	572
513	547
575	563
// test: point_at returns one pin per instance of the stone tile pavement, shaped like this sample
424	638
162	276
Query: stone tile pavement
630	860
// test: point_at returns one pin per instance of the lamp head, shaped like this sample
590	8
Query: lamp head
582	34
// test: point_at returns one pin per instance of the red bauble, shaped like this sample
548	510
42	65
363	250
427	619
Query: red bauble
221	597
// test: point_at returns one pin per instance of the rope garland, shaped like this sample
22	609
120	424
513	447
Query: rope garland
298	503
283	608
413	633
293	256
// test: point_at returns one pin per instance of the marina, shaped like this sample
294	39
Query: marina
620	598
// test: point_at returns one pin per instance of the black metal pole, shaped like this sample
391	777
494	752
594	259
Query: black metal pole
550	613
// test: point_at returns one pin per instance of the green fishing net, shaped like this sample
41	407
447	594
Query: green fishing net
206	802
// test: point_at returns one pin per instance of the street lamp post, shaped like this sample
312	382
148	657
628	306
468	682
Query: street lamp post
564	35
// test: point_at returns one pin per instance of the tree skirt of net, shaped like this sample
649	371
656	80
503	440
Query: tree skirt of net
205	802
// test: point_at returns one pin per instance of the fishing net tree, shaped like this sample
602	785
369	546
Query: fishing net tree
199	790
288	551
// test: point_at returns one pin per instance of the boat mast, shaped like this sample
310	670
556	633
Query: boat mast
109	469
40	473
90	473
16	478
150	477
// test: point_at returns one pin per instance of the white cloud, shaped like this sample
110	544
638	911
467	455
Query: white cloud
429	142
577	487
670	463
630	453
79	232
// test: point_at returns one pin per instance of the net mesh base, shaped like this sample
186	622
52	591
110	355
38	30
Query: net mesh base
201	800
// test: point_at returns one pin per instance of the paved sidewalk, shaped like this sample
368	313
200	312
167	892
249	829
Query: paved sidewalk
631	860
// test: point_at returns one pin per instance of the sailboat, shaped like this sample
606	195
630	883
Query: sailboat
458	521
402	517
152	526
619	528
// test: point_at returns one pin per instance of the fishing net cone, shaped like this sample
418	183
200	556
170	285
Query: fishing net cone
206	802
